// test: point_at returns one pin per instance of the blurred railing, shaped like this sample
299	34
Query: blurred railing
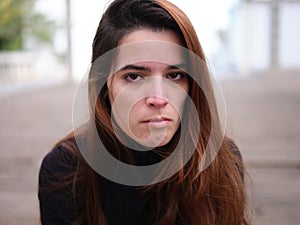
17	66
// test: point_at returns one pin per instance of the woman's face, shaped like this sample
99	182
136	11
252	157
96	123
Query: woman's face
147	96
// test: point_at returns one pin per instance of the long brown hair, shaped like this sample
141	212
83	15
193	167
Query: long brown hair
214	196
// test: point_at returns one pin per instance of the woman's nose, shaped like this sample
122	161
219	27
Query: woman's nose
156	101
157	92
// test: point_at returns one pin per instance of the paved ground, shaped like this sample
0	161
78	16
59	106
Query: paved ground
263	116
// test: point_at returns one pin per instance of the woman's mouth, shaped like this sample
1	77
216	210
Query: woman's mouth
159	122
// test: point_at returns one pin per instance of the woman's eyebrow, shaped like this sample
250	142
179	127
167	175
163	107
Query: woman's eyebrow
134	67
181	66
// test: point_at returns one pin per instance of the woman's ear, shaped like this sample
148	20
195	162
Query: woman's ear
109	81
108	85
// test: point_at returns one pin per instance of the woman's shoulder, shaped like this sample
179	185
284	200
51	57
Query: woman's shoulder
238	159
233	147
58	167
61	156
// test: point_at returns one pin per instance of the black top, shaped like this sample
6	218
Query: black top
121	204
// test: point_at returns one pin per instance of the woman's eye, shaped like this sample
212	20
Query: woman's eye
133	77
175	76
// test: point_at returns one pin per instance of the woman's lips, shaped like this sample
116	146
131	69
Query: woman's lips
157	122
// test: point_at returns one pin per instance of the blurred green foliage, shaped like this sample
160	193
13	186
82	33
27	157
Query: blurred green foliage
19	20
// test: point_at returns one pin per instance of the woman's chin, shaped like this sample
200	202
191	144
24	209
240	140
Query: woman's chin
153	142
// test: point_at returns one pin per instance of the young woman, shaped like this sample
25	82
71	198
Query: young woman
153	150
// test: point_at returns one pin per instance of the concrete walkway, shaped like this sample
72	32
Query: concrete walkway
263	117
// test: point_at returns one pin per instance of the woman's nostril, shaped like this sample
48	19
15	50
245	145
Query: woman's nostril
157	101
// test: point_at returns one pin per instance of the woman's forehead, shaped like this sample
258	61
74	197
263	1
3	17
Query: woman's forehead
145	34
149	51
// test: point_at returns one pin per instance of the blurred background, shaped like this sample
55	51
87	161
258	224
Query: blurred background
252	47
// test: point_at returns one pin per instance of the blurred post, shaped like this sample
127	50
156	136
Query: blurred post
274	34
69	40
